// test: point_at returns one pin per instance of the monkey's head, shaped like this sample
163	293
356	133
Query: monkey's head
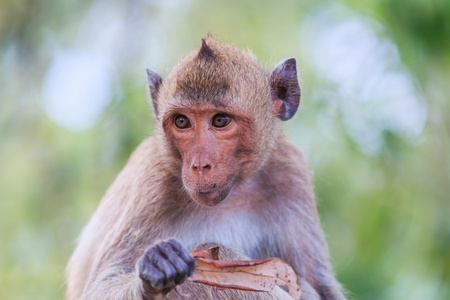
218	115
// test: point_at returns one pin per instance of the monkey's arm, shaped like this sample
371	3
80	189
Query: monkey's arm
115	283
309	250
306	251
156	272
102	265
304	245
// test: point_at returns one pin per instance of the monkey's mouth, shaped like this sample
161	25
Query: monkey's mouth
211	197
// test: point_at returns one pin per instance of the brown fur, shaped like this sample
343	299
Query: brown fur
269	212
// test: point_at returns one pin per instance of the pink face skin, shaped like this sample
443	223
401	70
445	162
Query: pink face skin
212	144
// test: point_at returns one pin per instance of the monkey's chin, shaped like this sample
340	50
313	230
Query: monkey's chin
210	198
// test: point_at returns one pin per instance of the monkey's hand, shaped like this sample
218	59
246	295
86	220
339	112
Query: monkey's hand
163	265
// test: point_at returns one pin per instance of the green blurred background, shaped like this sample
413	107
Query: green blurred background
373	120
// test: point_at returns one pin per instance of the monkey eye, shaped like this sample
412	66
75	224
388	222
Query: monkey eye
181	121
220	120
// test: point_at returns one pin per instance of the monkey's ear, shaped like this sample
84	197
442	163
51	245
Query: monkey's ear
154	82
285	89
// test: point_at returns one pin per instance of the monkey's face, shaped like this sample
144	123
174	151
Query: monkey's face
213	146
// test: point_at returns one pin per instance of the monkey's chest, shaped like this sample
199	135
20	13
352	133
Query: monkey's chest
238	232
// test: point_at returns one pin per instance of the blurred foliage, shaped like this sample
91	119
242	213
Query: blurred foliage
386	213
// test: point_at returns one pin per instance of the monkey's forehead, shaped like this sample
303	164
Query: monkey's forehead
202	84
203	81
224	103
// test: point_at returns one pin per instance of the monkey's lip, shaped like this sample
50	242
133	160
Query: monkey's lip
211	197
201	192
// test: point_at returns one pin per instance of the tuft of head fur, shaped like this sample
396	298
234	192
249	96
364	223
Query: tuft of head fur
205	52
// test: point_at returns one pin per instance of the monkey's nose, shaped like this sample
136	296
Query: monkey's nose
201	167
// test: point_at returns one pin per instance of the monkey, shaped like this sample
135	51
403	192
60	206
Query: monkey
217	170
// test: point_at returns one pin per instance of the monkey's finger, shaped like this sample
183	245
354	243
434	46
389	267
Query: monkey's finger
163	265
179	264
150	274
184	254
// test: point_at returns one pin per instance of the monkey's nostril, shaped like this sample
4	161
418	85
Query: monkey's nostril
198	168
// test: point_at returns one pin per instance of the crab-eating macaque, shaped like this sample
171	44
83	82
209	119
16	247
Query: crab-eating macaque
217	170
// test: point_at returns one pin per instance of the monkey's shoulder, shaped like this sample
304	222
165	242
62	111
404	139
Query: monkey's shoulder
287	177
147	162
143	168
146	150
288	156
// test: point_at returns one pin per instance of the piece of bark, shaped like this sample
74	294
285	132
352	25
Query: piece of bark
260	275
